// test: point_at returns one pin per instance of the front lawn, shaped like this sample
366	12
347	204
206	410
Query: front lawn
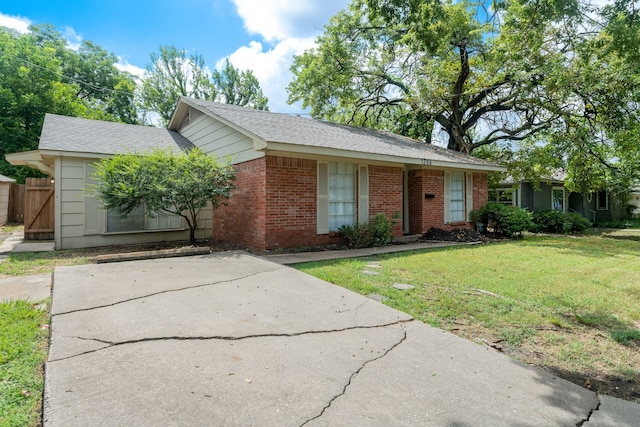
23	349
569	305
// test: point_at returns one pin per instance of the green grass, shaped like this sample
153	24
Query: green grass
24	263
23	350
552	301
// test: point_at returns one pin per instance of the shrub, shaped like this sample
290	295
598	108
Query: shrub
376	232
558	222
505	220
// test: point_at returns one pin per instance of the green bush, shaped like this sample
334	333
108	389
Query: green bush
505	220
558	222
376	232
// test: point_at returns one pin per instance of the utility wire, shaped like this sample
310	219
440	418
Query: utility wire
72	79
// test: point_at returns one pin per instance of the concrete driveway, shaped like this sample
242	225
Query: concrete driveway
232	339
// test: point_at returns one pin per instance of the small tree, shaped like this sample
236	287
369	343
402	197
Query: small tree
179	184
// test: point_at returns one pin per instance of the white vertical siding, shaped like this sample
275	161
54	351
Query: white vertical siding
219	140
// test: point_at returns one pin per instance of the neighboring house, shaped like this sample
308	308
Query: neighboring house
298	179
634	200
551	194
5	184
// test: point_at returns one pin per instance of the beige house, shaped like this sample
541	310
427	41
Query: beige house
5	183
68	148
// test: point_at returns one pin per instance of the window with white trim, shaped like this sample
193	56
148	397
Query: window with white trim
141	220
342	195
557	199
504	196
457	197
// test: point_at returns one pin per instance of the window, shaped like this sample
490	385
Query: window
602	201
139	220
457	197
342	195
337	204
504	196
557	199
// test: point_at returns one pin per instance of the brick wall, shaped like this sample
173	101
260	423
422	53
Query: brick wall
291	192
242	221
385	194
427	213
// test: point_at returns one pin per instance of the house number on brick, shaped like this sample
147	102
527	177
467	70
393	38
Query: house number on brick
426	162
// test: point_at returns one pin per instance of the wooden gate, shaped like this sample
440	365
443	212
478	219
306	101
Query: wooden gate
38	209
16	203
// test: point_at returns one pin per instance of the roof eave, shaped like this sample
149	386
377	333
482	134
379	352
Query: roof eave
34	159
273	146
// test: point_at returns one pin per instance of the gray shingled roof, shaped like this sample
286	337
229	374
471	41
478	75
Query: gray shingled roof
61	133
6	179
284	128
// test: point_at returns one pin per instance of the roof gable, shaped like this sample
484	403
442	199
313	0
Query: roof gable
74	134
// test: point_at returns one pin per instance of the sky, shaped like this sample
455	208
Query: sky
260	35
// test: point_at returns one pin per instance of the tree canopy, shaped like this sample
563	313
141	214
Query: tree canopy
173	72
179	184
40	74
551	83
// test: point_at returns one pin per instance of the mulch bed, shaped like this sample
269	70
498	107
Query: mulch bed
460	235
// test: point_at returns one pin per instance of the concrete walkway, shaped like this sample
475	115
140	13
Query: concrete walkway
232	339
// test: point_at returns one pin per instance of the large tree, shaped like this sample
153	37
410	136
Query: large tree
39	74
178	184
512	73
173	72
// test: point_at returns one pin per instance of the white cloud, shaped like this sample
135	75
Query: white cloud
281	19
271	68
289	28
17	23
123	65
74	40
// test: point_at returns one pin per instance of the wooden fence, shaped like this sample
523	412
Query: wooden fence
16	203
38	209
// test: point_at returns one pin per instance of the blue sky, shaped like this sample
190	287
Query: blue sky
261	35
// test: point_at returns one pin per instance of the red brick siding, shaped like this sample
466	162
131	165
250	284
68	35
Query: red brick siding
385	194
480	190
291	191
427	213
242	221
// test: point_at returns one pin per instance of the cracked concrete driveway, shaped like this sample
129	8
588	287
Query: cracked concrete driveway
231	339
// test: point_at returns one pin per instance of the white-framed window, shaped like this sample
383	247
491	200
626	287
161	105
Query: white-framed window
141	220
457	197
602	201
338	203
557	199
504	196
342	195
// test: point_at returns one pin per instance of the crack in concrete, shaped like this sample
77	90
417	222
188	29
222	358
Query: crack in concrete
355	374
202	285
111	344
591	411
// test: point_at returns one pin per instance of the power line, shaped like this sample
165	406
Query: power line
72	79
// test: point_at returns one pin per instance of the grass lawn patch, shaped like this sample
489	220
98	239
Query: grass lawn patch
24	336
566	304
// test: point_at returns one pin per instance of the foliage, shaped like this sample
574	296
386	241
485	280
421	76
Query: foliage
558	222
173	72
23	350
377	232
506	220
179	184
549	84
626	336
540	284
40	74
